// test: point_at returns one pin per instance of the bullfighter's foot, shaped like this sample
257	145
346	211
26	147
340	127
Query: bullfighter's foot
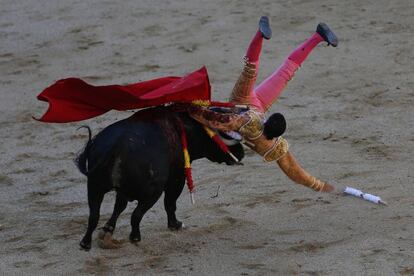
329	36
264	27
175	225
106	241
135	237
85	245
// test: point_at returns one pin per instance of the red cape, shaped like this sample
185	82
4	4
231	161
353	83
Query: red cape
72	99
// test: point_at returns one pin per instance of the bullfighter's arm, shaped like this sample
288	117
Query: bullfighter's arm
296	173
220	121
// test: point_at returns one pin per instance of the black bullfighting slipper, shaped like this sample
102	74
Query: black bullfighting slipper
264	27
327	34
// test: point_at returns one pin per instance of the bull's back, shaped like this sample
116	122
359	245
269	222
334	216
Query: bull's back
135	155
144	153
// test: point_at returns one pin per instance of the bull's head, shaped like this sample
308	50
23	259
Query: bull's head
200	145
234	147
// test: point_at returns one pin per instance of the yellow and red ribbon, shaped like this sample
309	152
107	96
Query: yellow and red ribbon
187	161
213	135
216	138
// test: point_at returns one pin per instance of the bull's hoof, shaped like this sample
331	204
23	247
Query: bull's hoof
175	226
104	230
106	241
101	234
135	237
108	228
85	246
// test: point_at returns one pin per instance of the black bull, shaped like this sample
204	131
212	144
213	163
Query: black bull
141	157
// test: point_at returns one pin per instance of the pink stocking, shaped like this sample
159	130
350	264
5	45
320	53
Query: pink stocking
271	88
302	52
255	47
242	92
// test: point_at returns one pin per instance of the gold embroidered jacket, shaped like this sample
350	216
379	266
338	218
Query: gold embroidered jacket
249	124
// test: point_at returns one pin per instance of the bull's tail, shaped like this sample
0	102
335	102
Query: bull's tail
81	161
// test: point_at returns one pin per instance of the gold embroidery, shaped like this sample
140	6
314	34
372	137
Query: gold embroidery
201	102
278	150
241	93
253	129
316	184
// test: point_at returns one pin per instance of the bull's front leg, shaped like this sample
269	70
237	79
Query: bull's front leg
143	206
172	192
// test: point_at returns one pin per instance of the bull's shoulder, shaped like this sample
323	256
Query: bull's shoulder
151	114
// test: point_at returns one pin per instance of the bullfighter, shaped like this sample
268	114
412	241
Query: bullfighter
264	136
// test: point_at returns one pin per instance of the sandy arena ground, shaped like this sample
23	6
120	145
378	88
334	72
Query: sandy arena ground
350	121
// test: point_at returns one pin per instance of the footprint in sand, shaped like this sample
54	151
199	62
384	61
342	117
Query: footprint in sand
24	171
407	271
155	262
97	266
313	246
14	239
251	246
48	265
22	264
5	180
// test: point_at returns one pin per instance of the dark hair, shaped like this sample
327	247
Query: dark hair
274	126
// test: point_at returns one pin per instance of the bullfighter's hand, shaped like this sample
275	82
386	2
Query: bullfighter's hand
328	188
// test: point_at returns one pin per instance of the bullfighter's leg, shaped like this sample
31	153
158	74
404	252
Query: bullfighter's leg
243	89
139	212
255	46
271	88
95	198
172	193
